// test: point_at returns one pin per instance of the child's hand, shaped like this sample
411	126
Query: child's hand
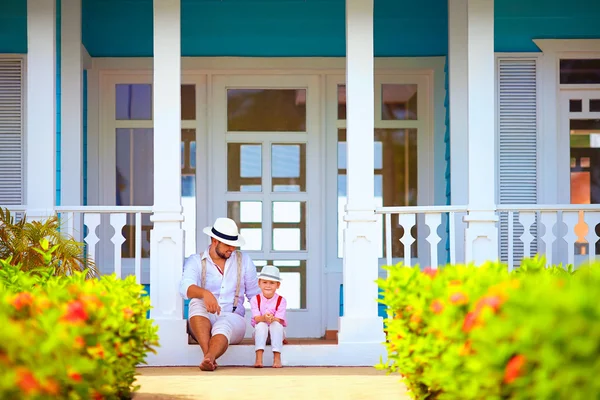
268	317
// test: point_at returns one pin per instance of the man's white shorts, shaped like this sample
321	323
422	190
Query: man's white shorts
231	325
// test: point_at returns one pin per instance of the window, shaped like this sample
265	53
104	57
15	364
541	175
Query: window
582	71
396	164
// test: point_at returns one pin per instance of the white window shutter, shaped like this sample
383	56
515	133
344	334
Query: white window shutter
11	131
517	145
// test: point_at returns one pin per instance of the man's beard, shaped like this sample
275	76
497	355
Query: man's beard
221	254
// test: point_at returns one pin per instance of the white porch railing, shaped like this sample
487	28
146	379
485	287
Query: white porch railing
117	218
431	217
562	233
104	236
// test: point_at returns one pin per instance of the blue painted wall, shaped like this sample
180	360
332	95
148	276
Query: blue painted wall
517	22
304	27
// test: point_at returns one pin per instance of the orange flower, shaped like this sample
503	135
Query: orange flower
75	312
470	321
437	306
51	387
466	349
431	272
514	368
90	301
415	318
459	298
26	381
455	282
96	351
128	313
493	302
22	299
79	342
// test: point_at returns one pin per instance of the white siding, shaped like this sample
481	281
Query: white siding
517	144
11	131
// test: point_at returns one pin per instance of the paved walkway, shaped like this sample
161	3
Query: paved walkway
249	383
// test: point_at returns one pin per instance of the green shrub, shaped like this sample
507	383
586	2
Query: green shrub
70	337
22	242
465	332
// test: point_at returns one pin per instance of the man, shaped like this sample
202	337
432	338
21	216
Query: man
216	283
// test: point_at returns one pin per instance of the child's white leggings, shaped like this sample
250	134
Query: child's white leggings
261	333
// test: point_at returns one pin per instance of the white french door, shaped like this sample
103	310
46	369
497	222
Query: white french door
266	174
579	157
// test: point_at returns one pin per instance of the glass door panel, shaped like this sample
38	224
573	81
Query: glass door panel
266	128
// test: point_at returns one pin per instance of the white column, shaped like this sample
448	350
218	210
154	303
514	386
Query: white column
40	179
360	323
166	252
459	123
71	79
482	234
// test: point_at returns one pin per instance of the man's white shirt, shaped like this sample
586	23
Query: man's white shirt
222	286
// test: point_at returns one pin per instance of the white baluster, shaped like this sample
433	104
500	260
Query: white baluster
548	219
570	218
511	244
433	221
407	221
117	221
138	247
70	223
388	239
527	218
452	238
591	218
92	221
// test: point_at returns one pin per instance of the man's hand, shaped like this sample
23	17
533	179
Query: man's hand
212	306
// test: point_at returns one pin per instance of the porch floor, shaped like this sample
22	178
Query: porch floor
291	382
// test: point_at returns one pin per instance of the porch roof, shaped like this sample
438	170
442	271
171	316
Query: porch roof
263	28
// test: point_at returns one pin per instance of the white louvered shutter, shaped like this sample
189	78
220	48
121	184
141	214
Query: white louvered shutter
517	141
11	131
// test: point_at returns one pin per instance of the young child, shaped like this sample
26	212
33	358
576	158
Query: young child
268	316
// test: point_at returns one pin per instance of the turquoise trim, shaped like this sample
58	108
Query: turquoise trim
58	100
447	153
85	138
13	26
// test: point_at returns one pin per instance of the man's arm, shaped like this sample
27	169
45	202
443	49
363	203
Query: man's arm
190	281
251	288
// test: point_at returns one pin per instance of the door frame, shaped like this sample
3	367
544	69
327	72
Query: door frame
308	322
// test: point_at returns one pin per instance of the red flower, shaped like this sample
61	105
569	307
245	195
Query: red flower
431	272
470	321
75	312
514	368
437	306
459	298
96	351
22	299
26	381
97	396
76	376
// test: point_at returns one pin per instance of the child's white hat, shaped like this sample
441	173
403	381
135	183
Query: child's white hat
270	273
